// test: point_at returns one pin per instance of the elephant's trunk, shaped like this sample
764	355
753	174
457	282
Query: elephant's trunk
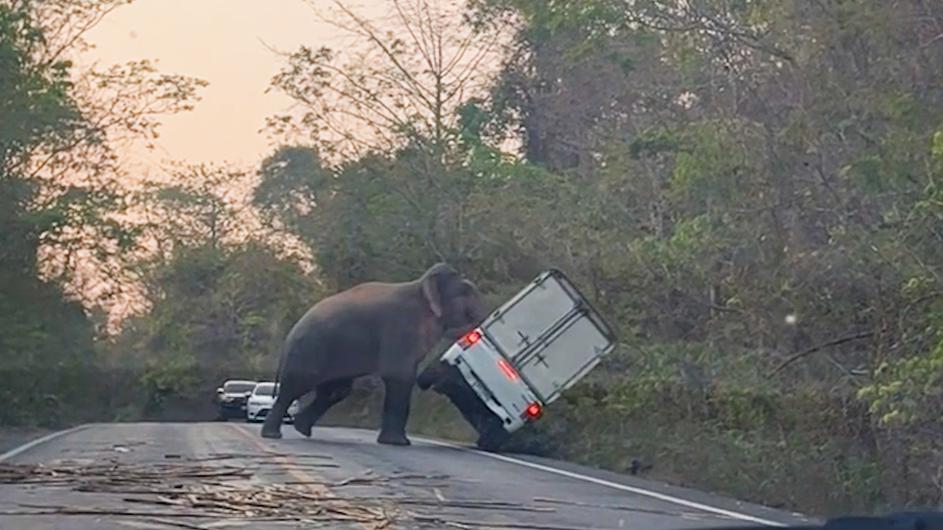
477	311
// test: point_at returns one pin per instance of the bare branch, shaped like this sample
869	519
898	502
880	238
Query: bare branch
829	344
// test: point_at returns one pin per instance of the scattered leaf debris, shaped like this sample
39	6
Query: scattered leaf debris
198	492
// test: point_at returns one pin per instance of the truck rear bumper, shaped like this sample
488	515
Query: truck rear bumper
449	381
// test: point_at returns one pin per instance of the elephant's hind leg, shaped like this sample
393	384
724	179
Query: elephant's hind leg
327	395
288	391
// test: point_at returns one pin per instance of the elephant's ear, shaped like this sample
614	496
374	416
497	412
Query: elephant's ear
430	287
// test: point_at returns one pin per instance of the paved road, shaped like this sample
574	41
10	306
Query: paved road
428	485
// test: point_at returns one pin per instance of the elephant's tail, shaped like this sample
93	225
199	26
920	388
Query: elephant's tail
278	372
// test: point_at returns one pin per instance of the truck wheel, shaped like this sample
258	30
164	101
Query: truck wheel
492	439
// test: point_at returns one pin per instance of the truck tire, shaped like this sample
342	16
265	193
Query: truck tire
492	439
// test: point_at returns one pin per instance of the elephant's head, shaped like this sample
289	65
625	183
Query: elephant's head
455	301
469	311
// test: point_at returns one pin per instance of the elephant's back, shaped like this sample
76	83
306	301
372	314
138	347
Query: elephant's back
368	303
331	321
340	335
364	303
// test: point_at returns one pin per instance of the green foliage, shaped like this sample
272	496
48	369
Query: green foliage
58	202
937	148
218	313
38	95
712	163
908	391
42	334
749	190
291	181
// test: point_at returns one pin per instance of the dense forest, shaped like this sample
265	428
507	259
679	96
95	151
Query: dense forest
751	191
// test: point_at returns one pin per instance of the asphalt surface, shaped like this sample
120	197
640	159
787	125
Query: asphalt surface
428	485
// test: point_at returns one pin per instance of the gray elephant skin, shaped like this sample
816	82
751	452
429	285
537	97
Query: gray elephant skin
373	328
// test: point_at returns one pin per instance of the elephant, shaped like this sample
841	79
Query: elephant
373	328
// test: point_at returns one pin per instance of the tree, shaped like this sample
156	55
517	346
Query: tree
217	312
58	193
202	205
758	199
292	183
387	140
61	171
397	85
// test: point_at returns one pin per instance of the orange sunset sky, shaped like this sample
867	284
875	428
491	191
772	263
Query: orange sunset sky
224	42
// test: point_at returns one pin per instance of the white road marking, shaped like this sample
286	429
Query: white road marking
631	489
29	445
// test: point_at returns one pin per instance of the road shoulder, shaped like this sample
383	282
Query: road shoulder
14	437
656	489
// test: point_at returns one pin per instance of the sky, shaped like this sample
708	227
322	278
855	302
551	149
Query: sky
233	45
224	42
227	43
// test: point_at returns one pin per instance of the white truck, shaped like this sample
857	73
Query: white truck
523	356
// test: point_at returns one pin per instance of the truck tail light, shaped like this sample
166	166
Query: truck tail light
534	411
508	370
469	339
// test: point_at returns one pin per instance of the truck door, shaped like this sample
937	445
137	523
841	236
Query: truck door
564	356
523	320
550	334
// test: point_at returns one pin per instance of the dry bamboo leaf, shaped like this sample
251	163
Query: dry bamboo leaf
179	524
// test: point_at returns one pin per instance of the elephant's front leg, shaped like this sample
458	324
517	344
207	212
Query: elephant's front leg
396	402
398	364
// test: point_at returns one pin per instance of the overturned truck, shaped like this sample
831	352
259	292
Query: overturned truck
502	374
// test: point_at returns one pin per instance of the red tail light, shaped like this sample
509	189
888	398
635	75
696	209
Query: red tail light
508	370
534	411
470	339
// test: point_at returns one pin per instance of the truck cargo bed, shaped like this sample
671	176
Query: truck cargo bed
550	333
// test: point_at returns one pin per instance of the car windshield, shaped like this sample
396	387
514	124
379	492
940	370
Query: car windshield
265	389
238	387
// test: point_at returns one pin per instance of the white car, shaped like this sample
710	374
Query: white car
261	400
